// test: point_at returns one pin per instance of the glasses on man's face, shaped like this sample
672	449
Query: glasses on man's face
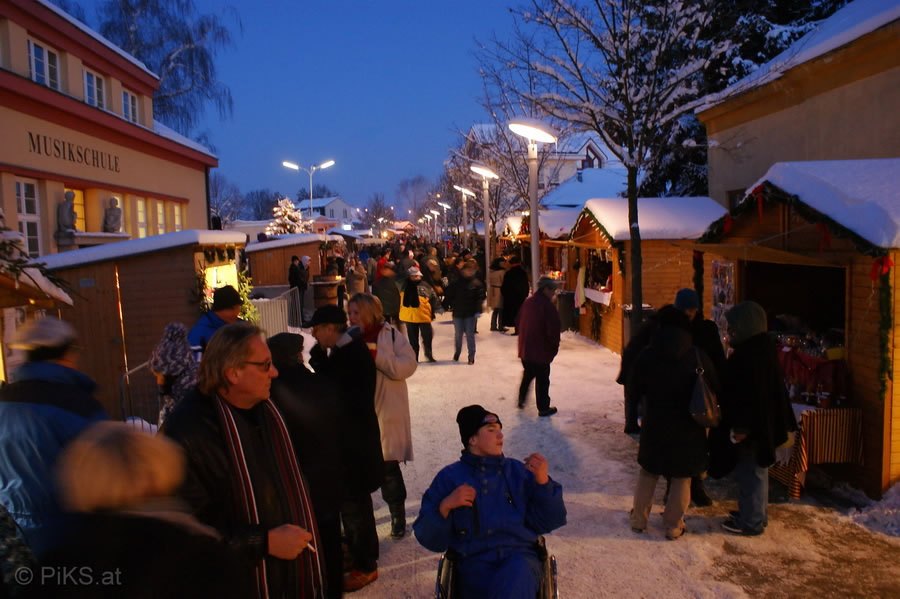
263	366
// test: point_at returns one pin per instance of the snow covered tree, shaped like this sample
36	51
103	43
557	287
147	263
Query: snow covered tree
627	69
180	46
287	219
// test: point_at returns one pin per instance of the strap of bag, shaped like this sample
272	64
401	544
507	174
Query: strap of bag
699	369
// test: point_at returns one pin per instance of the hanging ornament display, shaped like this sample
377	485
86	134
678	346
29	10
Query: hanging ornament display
880	266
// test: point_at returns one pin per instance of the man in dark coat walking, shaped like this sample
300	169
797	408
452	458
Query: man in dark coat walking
539	330
386	290
756	410
350	368
514	291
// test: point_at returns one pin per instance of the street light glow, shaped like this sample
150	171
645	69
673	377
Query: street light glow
465	191
435	212
484	171
291	165
326	164
444	206
533	130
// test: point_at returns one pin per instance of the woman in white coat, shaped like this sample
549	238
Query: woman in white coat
395	362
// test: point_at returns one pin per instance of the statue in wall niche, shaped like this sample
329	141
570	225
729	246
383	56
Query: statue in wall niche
112	217
65	213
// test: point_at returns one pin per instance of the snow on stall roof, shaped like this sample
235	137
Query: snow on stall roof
853	21
862	195
134	247
289	240
555	224
595	183
177	137
659	218
63	14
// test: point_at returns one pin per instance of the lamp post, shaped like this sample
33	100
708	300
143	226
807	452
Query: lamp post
316	167
446	207
486	175
465	218
535	132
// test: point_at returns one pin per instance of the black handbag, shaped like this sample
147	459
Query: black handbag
704	404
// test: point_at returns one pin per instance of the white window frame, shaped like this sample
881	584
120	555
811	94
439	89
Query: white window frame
129	106
160	218
46	74
94	89
25	217
140	209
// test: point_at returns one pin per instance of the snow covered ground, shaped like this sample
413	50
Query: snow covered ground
808	550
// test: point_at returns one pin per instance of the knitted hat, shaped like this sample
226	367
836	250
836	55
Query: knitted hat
414	271
226	297
305	260
547	282
285	348
746	320
46	332
471	418
687	299
329	314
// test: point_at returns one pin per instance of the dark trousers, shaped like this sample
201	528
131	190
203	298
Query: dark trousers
393	490
332	554
497	319
412	331
540	374
632	412
358	517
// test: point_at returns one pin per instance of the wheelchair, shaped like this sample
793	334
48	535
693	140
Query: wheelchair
446	585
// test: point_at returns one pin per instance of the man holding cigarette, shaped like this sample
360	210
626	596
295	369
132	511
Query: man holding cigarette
242	469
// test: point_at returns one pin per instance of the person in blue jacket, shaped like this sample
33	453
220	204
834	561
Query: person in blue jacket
490	510
226	309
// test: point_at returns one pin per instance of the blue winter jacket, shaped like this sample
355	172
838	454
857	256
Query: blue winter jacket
510	511
203	330
45	408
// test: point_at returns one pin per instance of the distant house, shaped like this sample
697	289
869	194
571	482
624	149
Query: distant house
333	209
587	184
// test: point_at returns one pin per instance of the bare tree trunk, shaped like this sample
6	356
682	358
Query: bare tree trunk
637	295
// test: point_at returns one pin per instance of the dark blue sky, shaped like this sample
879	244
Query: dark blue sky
380	86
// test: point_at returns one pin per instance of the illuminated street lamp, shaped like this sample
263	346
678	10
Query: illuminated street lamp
465	192
535	132
486	175
316	167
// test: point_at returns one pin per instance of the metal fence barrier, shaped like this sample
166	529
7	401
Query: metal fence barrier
138	394
280	313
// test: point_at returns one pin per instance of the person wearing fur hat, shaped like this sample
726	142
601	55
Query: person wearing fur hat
226	309
490	510
757	412
417	301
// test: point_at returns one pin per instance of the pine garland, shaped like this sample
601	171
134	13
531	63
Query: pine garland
885	326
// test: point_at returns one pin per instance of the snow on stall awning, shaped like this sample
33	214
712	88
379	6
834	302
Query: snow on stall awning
861	195
134	247
853	21
659	218
555	224
594	183
289	240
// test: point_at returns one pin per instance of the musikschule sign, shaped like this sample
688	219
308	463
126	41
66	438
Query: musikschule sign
53	147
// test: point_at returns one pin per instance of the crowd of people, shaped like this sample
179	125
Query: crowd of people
260	481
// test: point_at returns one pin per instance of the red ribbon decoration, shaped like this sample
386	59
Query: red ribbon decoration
825	239
760	205
728	224
880	266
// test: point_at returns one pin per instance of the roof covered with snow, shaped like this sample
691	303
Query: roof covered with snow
178	138
134	247
861	195
317	202
853	21
289	240
594	183
555	224
659	218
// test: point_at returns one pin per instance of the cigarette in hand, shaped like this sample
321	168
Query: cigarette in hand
311	547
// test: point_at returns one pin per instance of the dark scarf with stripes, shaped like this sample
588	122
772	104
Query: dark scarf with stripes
291	486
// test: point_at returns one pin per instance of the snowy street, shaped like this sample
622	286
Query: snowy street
808	550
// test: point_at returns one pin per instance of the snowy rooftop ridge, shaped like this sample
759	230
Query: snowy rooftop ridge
659	218
595	183
63	14
289	240
861	195
133	247
851	22
555	224
178	138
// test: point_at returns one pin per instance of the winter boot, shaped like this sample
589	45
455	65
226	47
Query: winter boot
698	494
398	522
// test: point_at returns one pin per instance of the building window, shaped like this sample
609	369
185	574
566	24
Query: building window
345	213
29	215
78	203
160	218
44	64
178	223
94	89
331	212
129	106
141	210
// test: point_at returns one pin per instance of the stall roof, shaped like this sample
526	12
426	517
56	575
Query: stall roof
659	218
861	195
853	21
289	240
555	224
133	247
590	183
31	286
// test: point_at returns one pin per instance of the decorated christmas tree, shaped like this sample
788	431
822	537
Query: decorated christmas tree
287	219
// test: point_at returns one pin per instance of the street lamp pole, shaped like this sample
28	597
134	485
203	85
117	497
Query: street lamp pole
310	170
465	192
486	175
534	131
446	207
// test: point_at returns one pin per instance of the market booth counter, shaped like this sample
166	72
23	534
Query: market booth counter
126	293
599	247
815	244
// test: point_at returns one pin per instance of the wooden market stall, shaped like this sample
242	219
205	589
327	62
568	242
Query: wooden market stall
600	244
815	243
555	225
269	260
125	294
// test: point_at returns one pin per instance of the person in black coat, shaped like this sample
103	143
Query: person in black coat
672	443
350	368
465	296
309	404
386	290
756	412
514	290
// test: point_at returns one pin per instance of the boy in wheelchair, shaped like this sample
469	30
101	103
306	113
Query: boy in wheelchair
489	511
